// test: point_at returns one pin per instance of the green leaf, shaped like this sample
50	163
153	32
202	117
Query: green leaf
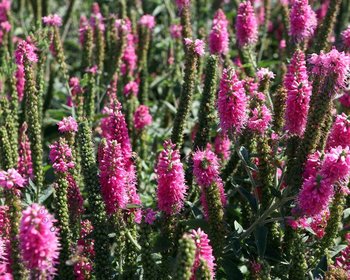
238	227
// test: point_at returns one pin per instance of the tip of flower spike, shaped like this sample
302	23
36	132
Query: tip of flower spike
205	167
27	50
265	73
147	21
198	45
68	124
52	20
142	117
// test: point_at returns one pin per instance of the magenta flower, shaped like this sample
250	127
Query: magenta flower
345	99
25	49
129	57
52	20
25	164
345	36
223	199
222	146
182	3
61	157
336	165
171	180
96	19
4	260
147	21
11	179
131	87
205	167
303	21
340	132
204	252
333	63
83	26
315	195
39	241
68	124
114	128
142	117
232	103
198	45
265	73
75	87
260	119
150	216
312	165
175	31
219	37
113	177
4	221
246	25
298	95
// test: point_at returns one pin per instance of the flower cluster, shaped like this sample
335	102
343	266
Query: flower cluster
39	240
52	20
219	37
298	95
61	156
232	102
67	125
303	21
246	25
198	45
142	117
204	252
11	179
171	180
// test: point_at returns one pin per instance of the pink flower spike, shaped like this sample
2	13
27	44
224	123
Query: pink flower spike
260	119
336	165
219	37
113	176
340	132
315	195
171	180
205	167
298	94
11	179
61	157
38	239
147	21
303	21
131	87
204	252
68	124
333	63
246	25
232	103
25	49
142	117
52	20
222	146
